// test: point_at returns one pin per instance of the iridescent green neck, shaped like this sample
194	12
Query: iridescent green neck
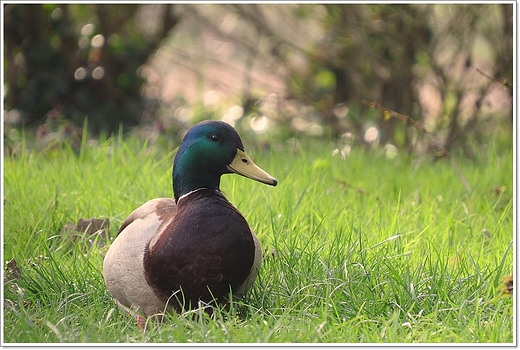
204	155
185	181
193	168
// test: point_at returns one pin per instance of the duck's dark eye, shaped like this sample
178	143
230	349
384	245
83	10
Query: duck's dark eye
214	137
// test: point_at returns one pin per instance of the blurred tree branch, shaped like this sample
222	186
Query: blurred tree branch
327	55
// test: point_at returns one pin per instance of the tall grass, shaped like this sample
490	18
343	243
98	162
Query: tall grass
363	249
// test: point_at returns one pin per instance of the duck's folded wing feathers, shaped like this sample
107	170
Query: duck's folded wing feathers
163	208
123	264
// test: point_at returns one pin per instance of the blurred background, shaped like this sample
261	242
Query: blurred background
278	71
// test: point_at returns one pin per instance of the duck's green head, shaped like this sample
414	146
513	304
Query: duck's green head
209	150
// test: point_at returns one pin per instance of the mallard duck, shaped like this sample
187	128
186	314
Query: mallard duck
171	253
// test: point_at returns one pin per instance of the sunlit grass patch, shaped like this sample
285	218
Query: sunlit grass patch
363	248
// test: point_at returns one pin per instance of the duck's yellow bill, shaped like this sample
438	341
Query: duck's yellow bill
244	166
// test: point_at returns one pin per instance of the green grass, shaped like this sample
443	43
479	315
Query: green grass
410	258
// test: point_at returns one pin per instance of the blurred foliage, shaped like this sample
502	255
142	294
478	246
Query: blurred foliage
77	60
287	69
390	53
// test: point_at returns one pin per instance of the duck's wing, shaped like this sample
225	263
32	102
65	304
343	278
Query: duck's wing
257	262
162	208
123	264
